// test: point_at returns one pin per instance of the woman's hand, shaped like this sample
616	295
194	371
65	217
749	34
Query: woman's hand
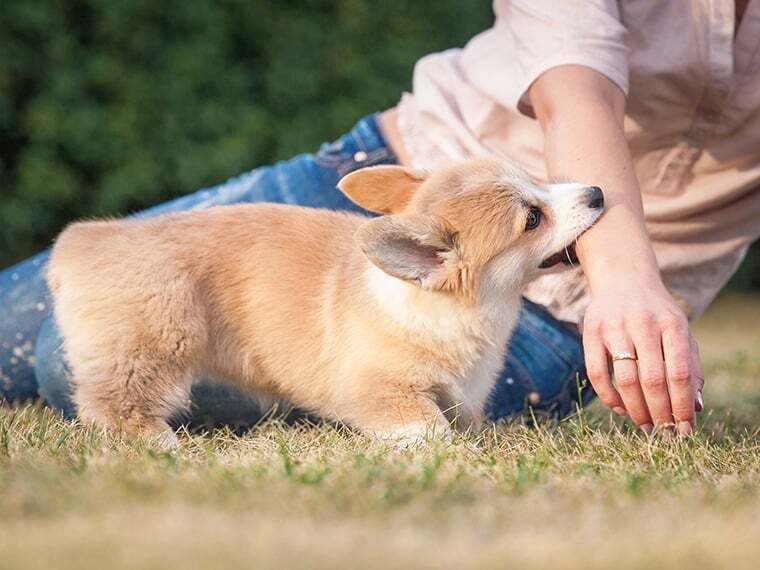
663	387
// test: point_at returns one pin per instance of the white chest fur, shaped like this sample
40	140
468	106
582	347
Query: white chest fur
474	337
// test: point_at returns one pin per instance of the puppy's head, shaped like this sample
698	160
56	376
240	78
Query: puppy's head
481	225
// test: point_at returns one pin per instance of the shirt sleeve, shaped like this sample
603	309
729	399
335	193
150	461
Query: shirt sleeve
532	36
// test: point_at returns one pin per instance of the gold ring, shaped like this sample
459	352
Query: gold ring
624	356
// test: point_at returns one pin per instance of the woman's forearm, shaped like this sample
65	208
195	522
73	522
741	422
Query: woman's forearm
584	141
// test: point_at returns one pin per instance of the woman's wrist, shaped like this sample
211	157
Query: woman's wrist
618	253
623	273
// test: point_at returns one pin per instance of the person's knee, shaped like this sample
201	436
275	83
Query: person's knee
51	370
544	369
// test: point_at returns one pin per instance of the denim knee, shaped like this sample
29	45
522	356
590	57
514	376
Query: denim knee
24	305
544	370
50	368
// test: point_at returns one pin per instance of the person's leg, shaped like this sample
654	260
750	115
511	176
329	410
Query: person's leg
544	369
307	180
23	308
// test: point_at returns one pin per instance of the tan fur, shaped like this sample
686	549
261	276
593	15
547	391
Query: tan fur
396	188
283	301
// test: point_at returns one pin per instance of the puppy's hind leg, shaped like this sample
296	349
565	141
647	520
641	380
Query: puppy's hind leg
133	372
137	395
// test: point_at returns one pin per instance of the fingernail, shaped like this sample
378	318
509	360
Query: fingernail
620	411
700	401
667	432
684	428
647	428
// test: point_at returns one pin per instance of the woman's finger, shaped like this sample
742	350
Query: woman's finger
676	348
697	373
654	383
627	381
598	371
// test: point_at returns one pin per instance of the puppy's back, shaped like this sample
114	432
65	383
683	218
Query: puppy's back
254	275
75	246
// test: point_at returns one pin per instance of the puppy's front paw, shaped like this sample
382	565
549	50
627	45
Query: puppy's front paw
166	440
416	434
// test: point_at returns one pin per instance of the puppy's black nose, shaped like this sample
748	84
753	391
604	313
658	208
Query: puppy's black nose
595	198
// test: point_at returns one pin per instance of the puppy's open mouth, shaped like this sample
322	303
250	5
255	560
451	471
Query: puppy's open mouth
566	256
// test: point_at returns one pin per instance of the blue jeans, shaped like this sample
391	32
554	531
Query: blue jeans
543	366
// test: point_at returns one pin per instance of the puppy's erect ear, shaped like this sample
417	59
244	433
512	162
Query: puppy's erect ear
383	189
415	248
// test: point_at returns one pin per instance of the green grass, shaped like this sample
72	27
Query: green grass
588	493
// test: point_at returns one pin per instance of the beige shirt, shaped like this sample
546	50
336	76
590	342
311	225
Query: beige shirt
692	120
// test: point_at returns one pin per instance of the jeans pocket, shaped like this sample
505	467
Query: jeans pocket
350	153
331	155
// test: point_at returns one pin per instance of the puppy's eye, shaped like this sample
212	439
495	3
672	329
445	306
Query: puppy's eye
533	219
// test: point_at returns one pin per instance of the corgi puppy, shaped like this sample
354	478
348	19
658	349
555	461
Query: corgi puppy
393	325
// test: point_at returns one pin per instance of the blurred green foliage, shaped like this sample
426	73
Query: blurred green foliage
108	106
